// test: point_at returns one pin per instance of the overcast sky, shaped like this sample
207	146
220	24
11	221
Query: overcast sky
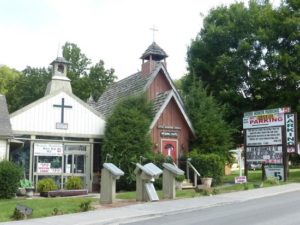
116	31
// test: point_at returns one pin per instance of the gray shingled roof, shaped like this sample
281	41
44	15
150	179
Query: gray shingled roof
60	60
126	87
157	52
5	126
159	101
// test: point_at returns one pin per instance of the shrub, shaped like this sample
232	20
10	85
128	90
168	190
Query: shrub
73	183
46	184
180	178
208	165
85	205
10	175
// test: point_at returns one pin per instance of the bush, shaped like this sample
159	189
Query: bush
85	205
10	175
46	184
208	165
73	183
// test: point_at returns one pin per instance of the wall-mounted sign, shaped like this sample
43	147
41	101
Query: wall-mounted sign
290	130
266	120
267	154
168	134
275	171
61	126
46	168
264	136
168	127
43	149
268	111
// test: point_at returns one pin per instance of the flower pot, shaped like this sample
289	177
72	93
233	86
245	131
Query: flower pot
206	182
29	192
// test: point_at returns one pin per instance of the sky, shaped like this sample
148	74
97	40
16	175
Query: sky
115	31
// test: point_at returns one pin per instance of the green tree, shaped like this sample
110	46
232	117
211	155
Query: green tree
86	81
7	76
127	137
213	134
248	56
28	87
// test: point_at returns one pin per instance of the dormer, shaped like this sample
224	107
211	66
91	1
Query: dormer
151	57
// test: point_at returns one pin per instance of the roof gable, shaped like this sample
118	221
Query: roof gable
5	127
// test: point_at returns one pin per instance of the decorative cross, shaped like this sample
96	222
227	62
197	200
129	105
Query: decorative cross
62	106
153	30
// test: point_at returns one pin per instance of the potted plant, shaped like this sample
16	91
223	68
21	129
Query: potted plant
179	179
27	186
45	185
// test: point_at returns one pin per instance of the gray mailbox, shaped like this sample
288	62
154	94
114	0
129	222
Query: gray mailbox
145	176
109	174
170	172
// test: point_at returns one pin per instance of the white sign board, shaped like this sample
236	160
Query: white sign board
151	192
264	136
46	168
275	171
268	111
240	180
267	154
267	120
290	129
42	149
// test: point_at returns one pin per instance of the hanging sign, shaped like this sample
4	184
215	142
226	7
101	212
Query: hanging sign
266	120
264	136
43	149
267	154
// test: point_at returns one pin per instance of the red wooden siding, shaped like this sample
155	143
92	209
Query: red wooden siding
159	84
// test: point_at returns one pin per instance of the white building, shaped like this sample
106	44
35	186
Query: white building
61	134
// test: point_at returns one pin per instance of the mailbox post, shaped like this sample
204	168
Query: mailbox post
109	174
145	176
169	174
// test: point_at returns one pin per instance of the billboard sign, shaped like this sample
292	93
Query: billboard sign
267	154
265	120
264	136
268	111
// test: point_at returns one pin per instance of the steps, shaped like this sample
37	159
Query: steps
186	184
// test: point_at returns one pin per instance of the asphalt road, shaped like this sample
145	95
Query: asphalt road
283	209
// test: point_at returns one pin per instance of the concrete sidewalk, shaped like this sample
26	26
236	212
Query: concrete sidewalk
146	210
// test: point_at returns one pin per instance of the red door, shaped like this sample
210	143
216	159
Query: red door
169	148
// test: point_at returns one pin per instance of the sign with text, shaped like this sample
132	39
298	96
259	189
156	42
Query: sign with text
264	136
267	154
290	125
240	180
266	120
275	171
46	168
43	149
268	111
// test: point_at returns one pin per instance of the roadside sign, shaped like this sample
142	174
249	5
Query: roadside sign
264	136
240	179
266	120
268	111
267	154
275	171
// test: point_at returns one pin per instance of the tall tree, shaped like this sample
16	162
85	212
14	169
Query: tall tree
127	137
213	134
248	56
30	86
7	76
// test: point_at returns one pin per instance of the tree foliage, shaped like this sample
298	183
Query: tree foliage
127	137
248	56
7	76
213	134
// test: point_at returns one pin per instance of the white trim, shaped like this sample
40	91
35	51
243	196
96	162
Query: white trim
158	114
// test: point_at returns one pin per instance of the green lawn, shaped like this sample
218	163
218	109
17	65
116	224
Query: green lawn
45	206
42	207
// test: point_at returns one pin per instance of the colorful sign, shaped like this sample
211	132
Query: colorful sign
266	120
274	171
290	130
267	154
240	179
268	111
42	149
46	168
264	136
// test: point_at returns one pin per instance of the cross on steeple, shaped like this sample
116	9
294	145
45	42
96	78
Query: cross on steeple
62	106
154	30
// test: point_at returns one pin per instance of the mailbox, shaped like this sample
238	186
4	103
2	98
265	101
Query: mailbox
145	176
169	174
109	174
